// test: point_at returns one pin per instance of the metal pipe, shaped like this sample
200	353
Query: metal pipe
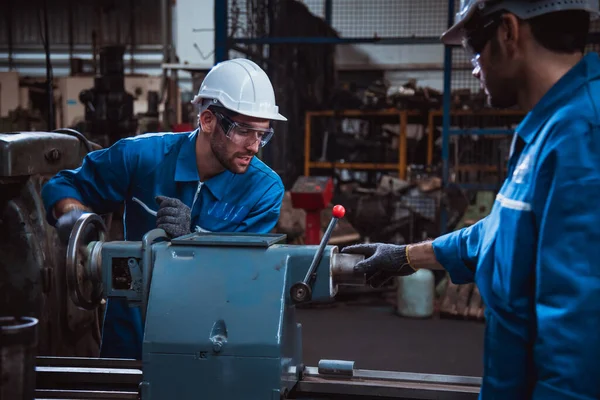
335	40
132	35
34	48
85	394
49	81
84	362
164	25
71	32
446	116
9	33
342	270
164	15
221	27
328	12
18	343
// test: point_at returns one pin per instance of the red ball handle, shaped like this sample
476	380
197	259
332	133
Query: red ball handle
339	211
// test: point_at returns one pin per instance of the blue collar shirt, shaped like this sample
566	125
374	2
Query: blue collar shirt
536	257
136	170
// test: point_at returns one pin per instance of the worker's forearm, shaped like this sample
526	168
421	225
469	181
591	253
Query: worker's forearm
65	205
421	255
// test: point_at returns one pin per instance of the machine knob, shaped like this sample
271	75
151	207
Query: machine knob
301	291
338	213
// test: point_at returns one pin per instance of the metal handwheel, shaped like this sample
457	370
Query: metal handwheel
83	269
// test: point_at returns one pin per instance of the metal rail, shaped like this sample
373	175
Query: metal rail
388	384
117	379
48	394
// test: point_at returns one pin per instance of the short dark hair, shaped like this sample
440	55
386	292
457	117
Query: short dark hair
564	32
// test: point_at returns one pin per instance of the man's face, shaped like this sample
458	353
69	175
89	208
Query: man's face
494	64
236	153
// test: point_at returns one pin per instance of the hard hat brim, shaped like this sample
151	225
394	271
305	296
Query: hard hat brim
454	35
273	116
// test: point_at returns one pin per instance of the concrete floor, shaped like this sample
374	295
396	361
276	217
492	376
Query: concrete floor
372	335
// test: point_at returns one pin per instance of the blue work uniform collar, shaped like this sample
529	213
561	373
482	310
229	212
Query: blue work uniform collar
186	169
586	69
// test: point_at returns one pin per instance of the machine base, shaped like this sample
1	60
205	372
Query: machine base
109	379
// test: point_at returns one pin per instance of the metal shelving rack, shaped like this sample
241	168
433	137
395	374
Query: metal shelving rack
400	167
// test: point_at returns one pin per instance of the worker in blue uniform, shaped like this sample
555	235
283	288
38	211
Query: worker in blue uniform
206	180
535	257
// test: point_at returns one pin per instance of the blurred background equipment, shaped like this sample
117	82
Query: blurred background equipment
313	195
108	107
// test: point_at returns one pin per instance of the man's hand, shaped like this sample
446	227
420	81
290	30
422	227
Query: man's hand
382	261
66	222
173	216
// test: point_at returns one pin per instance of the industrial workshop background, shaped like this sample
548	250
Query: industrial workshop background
375	104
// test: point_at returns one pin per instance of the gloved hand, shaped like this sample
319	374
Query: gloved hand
66	222
382	261
173	216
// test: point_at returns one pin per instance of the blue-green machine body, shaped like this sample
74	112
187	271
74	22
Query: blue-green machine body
219	317
236	328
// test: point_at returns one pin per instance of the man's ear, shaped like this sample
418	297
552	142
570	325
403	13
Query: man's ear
509	32
207	121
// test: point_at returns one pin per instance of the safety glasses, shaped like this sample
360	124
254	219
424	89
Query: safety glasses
243	134
478	36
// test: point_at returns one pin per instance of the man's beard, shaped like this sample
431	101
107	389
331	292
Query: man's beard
219	149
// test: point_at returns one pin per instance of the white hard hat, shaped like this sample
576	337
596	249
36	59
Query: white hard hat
522	9
241	86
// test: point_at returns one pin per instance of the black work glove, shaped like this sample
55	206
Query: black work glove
66	222
173	216
382	261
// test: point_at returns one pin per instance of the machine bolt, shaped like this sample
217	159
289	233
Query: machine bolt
300	292
53	155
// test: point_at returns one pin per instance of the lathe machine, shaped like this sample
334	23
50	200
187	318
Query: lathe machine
219	312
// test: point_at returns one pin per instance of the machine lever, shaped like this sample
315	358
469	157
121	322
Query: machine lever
301	291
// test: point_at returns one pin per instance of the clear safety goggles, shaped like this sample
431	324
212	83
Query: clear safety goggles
475	62
475	40
242	134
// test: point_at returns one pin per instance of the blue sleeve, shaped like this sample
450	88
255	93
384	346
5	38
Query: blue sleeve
567	290
457	252
264	215
100	183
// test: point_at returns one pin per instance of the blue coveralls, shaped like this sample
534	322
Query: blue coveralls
140	168
536	257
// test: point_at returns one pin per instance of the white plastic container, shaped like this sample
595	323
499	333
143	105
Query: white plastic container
416	294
